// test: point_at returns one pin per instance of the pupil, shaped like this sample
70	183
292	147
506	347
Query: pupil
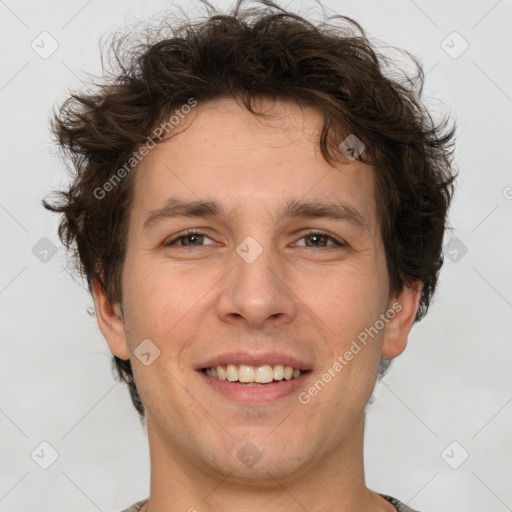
315	237
189	237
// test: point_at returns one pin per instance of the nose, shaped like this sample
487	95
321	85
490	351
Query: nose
257	292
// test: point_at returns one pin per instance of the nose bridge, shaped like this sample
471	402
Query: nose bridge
255	265
256	289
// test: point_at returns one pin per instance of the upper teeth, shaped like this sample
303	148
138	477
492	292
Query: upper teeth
262	374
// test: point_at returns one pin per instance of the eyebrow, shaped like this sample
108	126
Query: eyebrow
175	208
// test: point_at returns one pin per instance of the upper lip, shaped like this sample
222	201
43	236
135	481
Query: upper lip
253	359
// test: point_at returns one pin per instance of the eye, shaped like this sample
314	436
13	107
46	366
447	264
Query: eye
193	239
319	237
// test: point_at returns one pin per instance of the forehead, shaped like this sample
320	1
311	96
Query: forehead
223	151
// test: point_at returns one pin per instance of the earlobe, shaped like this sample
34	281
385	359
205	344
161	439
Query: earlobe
405	306
110	321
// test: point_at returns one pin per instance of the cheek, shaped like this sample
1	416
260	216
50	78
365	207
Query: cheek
157	298
347	301
350	306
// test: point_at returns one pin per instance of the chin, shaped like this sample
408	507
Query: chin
259	458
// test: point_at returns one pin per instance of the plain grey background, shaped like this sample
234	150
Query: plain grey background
447	397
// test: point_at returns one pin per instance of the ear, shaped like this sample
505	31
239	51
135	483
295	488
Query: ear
110	321
397	329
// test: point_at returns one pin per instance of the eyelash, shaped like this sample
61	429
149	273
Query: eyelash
172	242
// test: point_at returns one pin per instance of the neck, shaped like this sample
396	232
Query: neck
333	483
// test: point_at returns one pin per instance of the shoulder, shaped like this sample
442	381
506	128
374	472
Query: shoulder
135	507
400	507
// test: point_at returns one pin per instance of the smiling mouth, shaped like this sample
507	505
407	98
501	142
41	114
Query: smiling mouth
253	375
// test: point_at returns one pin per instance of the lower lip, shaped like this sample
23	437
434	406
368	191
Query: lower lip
248	395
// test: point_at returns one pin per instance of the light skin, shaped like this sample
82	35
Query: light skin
303	296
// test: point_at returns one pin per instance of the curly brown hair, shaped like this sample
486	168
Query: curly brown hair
246	54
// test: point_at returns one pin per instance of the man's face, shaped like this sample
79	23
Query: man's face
254	283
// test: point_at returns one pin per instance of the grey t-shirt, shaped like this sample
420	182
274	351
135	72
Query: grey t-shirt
400	507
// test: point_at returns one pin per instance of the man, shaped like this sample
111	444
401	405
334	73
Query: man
259	213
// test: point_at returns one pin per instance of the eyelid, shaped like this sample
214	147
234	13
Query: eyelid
185	233
335	239
308	232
